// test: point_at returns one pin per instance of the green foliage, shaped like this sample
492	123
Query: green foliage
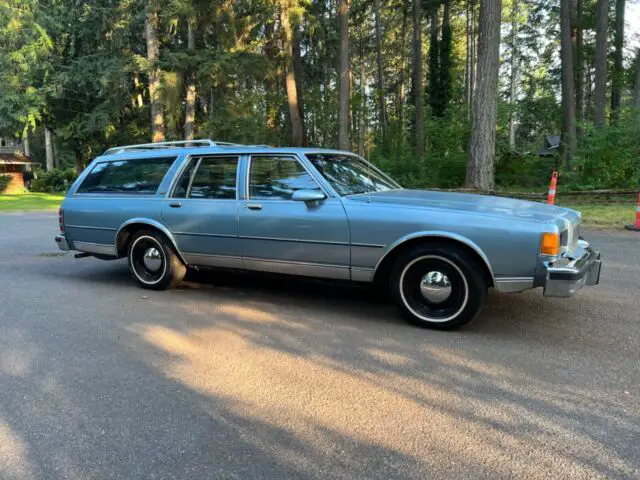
445	161
80	69
610	156
516	170
4	182
53	181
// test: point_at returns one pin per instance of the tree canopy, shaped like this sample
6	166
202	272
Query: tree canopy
394	80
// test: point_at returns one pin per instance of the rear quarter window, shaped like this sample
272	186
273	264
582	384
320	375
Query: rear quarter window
140	176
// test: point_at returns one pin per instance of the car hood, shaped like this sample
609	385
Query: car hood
473	203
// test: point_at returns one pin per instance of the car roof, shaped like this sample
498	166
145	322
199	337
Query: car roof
133	153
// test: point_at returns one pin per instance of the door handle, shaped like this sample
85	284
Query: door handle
254	206
175	204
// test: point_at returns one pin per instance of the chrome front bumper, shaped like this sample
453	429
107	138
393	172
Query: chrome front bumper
61	240
568	275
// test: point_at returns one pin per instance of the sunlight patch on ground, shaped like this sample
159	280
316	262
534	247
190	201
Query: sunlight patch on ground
443	407
13	455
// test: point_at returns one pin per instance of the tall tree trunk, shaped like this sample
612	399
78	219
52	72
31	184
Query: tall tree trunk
25	142
79	161
157	110
290	81
617	77
472	59
402	75
568	87
138	97
48	143
636	86
382	114
343	72
298	73
433	82
363	101
513	76
485	101
467	70
270	52
446	43
417	78
602	16
578	65
190	100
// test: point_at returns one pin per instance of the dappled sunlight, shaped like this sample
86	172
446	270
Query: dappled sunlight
247	313
16	362
444	403
13	455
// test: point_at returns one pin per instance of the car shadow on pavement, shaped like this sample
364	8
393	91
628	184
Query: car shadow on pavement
236	371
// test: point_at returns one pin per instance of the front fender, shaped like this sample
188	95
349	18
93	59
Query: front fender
436	234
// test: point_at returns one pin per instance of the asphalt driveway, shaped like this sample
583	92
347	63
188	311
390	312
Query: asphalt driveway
235	376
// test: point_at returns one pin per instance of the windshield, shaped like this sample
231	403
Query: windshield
350	175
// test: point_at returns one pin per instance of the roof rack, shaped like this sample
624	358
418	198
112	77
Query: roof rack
180	143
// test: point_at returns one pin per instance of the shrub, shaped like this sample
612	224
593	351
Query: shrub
609	157
56	180
4	181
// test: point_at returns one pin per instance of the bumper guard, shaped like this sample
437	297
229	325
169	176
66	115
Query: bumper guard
566	279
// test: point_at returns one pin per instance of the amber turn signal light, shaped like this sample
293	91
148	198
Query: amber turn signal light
550	244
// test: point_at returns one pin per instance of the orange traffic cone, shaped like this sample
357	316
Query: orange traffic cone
636	226
551	197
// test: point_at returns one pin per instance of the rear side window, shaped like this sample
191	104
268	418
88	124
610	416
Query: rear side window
141	176
214	178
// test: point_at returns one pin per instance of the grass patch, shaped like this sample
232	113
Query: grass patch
615	215
30	202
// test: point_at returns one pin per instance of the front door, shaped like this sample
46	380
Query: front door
279	234
202	212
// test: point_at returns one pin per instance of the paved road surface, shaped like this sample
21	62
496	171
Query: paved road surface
242	377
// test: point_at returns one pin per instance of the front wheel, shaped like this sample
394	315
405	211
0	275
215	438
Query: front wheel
153	263
438	286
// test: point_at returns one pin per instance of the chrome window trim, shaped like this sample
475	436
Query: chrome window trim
293	157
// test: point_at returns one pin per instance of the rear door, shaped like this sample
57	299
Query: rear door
202	211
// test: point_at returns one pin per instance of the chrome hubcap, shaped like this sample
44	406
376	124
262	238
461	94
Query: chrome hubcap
152	259
435	287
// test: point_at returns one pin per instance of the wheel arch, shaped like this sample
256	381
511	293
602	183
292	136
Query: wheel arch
393	251
133	225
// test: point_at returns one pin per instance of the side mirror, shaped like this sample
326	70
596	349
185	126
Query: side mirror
308	195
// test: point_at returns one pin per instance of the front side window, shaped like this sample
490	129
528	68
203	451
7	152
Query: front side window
350	175
141	176
277	178
208	178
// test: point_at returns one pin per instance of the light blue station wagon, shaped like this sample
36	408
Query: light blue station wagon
318	213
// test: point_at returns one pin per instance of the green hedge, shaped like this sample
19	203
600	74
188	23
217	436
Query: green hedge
4	181
56	180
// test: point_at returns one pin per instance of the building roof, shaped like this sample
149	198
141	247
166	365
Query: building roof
15	159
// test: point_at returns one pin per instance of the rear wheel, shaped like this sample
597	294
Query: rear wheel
152	261
438	286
